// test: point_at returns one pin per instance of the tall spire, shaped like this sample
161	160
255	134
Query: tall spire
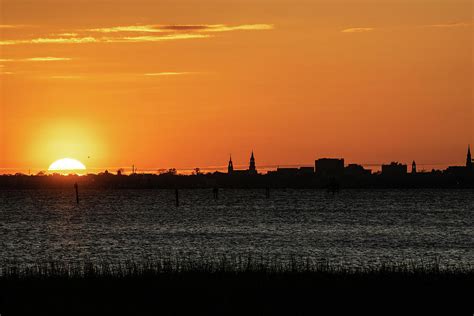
252	167
468	157
230	167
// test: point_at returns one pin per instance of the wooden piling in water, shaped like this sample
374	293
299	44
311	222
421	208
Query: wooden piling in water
176	193
76	187
215	193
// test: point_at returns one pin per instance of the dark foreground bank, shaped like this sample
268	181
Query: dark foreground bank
220	289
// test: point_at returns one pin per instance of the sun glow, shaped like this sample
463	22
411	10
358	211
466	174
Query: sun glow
66	164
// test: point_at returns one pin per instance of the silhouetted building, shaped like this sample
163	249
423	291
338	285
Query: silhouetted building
462	171
329	167
413	167
287	171
355	170
230	167
252	168
459	171
238	172
306	170
468	159
394	169
292	171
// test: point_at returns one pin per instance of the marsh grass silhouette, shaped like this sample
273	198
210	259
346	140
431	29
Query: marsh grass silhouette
232	286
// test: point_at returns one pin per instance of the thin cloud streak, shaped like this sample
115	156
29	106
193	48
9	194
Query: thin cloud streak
439	26
64	40
248	27
166	74
66	77
47	59
66	34
48	40
37	59
358	30
126	39
138	39
10	26
449	25
181	28
132	28
137	33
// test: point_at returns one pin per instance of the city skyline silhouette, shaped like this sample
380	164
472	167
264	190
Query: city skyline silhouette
374	167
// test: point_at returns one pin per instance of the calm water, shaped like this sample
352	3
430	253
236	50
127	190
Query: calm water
354	227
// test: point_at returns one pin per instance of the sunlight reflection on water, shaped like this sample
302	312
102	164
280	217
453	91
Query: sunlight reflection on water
357	227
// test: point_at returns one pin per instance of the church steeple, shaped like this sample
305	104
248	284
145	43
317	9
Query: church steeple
413	167
230	167
469	158
252	168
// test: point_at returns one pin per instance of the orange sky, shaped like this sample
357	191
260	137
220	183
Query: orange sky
182	84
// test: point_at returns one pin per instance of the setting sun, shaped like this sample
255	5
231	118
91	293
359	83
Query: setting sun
66	164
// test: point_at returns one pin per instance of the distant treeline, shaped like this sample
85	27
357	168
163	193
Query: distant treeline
223	180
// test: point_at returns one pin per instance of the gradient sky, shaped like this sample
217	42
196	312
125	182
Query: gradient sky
183	84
